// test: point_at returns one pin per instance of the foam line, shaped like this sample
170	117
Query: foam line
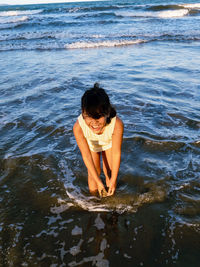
78	45
19	13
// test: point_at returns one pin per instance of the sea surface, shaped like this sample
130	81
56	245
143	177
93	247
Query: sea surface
146	54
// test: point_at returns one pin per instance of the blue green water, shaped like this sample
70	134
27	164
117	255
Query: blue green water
146	56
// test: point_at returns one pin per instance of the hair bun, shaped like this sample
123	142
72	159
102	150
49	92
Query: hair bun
96	86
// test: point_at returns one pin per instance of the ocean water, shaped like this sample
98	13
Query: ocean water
146	56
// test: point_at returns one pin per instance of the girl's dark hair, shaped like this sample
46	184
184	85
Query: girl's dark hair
95	103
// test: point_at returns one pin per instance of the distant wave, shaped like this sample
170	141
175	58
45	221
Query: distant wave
29	36
94	8
173	7
99	15
30	25
173	11
31	46
110	43
5	20
65	9
54	41
19	13
56	45
164	7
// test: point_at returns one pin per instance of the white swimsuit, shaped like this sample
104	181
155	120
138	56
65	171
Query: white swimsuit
98	142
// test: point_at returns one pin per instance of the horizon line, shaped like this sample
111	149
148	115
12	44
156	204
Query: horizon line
62	2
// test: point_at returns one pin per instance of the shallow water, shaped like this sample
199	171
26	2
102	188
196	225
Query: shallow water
47	216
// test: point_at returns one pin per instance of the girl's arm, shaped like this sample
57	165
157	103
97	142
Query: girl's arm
87	157
116	154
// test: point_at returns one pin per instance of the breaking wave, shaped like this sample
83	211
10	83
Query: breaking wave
77	45
173	7
6	20
173	13
54	40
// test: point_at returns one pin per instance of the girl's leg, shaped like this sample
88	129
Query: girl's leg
107	168
91	182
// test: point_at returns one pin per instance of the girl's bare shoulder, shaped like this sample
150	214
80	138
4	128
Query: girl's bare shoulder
119	123
119	126
77	127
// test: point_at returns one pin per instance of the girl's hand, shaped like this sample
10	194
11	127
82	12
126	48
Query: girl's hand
102	191
112	188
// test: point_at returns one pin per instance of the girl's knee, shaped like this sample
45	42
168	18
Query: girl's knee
99	171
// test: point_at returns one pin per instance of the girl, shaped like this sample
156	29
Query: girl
99	131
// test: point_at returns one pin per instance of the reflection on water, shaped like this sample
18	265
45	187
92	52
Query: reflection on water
48	216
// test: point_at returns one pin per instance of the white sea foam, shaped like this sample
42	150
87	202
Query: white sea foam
120	204
78	45
127	256
103	245
135	14
99	224
77	231
162	14
86	203
192	6
63	207
94	204
97	260
173	13
75	9
76	249
19	13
